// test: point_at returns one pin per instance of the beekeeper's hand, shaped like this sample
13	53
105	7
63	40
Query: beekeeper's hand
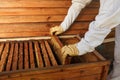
70	50
56	30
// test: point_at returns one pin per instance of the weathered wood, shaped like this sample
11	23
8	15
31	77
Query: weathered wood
15	57
32	60
10	57
45	54
50	53
21	55
4	57
26	55
38	55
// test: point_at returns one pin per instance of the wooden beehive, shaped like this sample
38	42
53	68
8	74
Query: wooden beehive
28	52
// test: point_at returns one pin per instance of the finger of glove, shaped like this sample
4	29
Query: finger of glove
64	58
53	30
58	32
64	49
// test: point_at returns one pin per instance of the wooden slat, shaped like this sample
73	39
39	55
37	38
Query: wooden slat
42	27
45	55
21	55
81	32
10	57
38	55
41	3
35	3
1	48
23	34
33	11
15	57
94	4
32	63
43	11
4	57
26	60
50	53
54	18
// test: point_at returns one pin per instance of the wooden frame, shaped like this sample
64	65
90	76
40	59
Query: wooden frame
93	65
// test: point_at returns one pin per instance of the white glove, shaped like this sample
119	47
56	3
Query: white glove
56	30
70	50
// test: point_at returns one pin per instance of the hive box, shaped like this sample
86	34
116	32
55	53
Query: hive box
28	52
37	60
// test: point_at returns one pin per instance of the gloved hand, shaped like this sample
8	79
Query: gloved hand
70	50
56	30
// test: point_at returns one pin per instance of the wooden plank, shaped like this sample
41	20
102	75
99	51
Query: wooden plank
23	34
41	3
21	55
1	48
32	60
10	57
51	55
36	34
38	55
56	73
35	3
43	11
33	11
4	57
42	27
15	57
66	68
94	4
45	54
26	60
54	18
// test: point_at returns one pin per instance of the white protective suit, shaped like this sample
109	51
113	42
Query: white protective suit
107	18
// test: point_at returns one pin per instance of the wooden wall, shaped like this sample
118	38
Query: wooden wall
26	18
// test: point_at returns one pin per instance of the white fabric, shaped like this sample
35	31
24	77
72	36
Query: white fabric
115	74
107	19
73	12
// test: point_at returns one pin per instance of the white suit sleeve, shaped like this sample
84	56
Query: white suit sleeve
73	12
108	18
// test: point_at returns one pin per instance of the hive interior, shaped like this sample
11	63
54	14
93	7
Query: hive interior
31	54
17	55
